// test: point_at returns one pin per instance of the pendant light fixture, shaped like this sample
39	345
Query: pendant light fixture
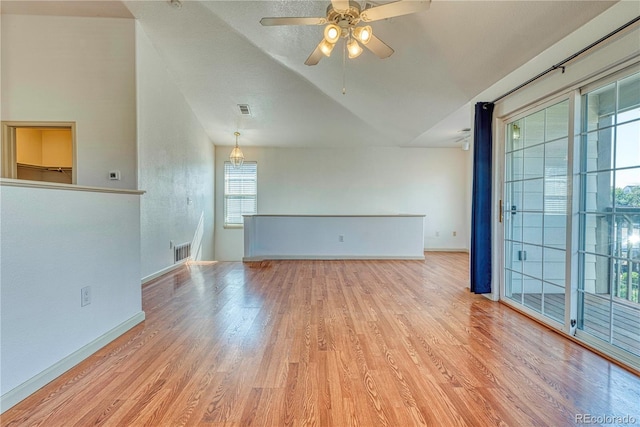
236	157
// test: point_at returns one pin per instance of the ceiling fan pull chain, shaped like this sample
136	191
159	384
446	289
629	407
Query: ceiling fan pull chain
344	68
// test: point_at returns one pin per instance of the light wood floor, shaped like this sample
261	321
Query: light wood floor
331	343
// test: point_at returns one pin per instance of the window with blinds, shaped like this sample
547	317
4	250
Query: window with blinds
240	192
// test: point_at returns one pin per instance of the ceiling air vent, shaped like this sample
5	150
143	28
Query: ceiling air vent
244	109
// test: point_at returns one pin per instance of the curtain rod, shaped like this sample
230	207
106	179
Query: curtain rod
560	65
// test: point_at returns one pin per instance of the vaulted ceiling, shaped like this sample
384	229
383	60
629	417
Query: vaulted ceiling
220	56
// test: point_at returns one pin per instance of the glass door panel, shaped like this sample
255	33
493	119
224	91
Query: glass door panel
535	210
609	252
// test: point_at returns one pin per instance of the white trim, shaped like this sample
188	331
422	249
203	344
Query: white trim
593	79
497	215
572	242
9	140
55	186
157	274
335	216
14	396
492	296
536	107
599	81
545	320
326	257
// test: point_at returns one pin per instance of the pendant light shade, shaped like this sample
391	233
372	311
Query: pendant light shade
236	157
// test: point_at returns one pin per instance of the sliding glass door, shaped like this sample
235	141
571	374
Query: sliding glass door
609	308
576	266
535	210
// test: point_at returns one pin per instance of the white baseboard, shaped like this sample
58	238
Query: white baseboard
446	250
28	387
157	274
327	257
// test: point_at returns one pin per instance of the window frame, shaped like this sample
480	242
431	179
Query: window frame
9	165
227	167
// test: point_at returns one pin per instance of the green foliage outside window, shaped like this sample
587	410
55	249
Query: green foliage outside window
635	284
628	196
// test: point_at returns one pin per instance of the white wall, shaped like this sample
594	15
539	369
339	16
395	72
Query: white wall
53	243
81	70
333	237
355	181
176	163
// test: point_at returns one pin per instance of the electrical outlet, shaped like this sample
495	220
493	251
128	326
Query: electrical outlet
85	296
170	244
341	238
455	233
437	234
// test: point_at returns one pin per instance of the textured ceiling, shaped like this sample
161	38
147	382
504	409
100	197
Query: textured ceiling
96	8
220	56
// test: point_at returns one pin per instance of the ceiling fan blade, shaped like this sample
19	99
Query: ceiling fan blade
379	47
390	10
340	4
315	56
292	21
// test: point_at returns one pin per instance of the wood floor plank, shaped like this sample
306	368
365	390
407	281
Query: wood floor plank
331	343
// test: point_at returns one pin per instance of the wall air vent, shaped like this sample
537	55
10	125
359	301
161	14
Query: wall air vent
181	252
244	109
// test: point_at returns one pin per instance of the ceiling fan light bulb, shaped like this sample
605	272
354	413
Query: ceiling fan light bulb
332	33
326	47
363	34
354	49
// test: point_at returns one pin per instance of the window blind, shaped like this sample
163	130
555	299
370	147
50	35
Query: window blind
240	192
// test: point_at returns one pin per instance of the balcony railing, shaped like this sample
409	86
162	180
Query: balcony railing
625	229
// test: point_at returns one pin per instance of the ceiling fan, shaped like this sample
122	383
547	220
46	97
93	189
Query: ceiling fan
343	17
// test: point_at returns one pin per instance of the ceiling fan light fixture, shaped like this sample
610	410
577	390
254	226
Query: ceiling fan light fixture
354	49
236	157
326	47
342	20
363	34
332	33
